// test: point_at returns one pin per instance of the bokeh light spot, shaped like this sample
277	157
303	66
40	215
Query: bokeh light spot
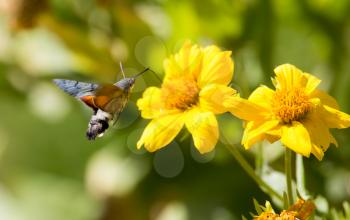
128	116
201	158
132	139
169	161
48	103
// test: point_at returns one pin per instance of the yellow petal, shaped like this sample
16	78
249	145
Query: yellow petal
334	141
217	67
245	109
288	77
172	68
262	96
161	131
150	104
325	98
274	134
212	97
334	118
256	131
319	132
187	61
271	138
204	129
276	131
311	83
317	152
296	137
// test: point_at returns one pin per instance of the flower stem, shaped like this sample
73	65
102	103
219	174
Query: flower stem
259	160
250	171
288	173
300	176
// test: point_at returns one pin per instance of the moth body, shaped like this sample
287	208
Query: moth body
106	100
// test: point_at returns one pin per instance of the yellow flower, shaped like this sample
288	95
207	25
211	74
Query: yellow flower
301	210
193	91
265	213
270	215
296	112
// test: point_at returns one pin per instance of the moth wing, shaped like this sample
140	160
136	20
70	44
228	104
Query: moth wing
107	97
117	105
81	90
76	88
89	100
110	98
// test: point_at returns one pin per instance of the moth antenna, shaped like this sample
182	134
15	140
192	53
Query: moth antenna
121	68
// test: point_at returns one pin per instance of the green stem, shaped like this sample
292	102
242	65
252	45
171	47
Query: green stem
259	160
288	173
300	176
250	171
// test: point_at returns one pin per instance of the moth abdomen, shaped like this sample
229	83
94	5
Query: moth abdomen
98	124
96	128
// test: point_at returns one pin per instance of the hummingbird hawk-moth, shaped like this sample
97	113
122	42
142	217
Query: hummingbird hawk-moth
106	100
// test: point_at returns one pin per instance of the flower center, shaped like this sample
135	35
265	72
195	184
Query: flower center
292	105
180	93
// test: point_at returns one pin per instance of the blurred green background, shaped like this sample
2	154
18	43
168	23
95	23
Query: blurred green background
49	171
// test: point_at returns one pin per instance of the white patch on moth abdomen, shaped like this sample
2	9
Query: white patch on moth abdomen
102	115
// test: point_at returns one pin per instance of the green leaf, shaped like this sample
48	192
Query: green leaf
257	206
334	214
346	207
285	200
